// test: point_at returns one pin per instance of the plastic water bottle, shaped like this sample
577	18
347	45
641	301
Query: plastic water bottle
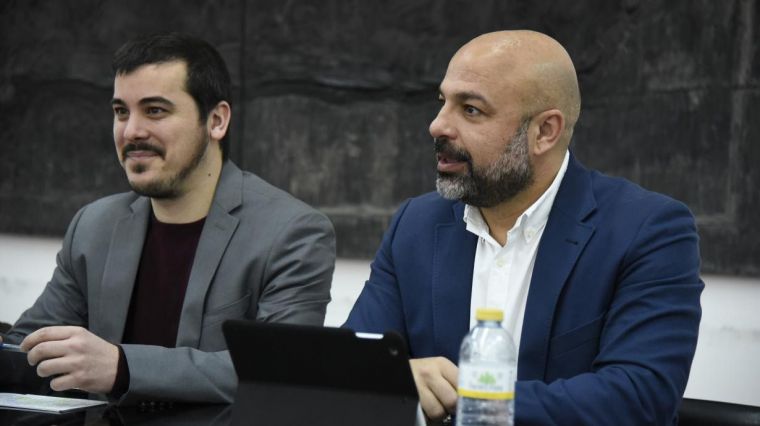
487	373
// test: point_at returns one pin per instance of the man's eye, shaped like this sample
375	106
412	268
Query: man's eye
120	112
471	110
155	110
440	98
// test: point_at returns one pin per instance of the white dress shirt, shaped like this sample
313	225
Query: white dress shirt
501	275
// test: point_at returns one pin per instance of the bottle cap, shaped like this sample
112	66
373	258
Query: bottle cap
489	314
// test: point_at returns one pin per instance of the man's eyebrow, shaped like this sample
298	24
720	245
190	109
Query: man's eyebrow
467	95
145	101
156	100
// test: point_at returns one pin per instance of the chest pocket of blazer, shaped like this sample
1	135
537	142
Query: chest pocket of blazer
572	352
232	310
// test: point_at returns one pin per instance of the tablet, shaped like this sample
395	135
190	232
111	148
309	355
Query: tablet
295	374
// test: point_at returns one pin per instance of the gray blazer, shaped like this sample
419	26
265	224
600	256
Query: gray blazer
262	255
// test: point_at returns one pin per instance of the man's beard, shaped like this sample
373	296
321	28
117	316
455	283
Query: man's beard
170	187
500	181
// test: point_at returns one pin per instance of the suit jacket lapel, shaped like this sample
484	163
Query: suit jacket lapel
120	272
453	260
562	242
217	232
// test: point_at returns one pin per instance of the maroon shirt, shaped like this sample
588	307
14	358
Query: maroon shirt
159	292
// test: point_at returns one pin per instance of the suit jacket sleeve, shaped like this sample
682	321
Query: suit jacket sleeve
379	306
61	302
648	339
178	374
64	299
299	272
296	290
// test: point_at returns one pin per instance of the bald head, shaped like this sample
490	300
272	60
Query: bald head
534	66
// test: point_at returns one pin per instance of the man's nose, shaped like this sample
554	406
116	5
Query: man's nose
134	128
441	126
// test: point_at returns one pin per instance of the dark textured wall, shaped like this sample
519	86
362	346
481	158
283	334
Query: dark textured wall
333	99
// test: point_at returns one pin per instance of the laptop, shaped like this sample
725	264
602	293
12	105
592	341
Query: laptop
294	374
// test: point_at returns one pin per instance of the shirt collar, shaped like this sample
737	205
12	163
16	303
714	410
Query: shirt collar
531	221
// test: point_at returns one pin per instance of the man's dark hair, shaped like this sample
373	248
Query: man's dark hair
208	81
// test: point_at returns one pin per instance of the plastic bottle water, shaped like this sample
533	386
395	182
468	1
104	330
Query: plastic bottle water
487	373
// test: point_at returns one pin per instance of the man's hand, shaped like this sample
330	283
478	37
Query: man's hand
80	359
436	380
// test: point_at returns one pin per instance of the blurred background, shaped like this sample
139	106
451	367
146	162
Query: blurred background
332	101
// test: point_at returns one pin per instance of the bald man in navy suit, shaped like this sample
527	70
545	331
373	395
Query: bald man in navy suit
598	278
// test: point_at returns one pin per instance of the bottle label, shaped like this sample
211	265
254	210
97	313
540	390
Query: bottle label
486	381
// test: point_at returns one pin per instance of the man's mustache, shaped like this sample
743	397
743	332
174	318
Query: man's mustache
141	146
444	147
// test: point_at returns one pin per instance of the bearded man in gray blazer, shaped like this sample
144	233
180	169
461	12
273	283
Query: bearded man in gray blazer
145	279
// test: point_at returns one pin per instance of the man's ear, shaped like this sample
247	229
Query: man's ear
551	126
219	120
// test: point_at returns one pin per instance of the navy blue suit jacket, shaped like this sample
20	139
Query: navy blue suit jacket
613	310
